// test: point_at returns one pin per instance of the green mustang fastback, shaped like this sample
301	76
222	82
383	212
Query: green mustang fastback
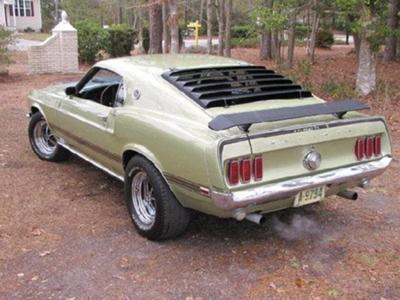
211	134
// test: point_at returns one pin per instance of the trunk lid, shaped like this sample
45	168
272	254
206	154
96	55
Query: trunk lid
283	145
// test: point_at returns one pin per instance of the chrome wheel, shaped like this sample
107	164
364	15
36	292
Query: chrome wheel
143	199
44	139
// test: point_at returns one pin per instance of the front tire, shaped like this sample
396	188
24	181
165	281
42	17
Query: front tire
153	208
43	141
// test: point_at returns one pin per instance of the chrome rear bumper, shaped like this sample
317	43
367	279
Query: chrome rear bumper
289	188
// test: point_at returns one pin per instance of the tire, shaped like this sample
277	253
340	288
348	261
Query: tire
154	210
43	142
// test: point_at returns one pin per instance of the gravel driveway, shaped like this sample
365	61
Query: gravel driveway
65	234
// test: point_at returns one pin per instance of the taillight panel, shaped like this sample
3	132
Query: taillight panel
244	170
367	147
233	172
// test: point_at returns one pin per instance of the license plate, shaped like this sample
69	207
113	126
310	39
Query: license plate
309	196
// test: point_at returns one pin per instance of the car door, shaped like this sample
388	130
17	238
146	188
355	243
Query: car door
88	118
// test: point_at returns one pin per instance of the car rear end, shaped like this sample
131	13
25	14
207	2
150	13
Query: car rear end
299	165
279	146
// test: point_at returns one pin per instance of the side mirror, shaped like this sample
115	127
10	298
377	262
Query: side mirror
70	91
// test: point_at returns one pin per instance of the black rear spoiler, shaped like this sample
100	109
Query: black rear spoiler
246	119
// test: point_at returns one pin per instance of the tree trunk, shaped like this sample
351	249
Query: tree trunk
266	39
291	38
209	26
56	6
221	26
228	25
392	23
201	12
173	24
166	32
366	73
141	49
155	27
313	36
120	12
357	44
185	12
276	47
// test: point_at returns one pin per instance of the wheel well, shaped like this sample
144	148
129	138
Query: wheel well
126	157
34	110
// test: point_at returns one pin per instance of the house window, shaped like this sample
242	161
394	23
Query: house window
23	8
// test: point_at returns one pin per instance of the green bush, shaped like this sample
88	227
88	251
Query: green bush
118	40
252	42
243	31
91	39
5	39
325	39
301	32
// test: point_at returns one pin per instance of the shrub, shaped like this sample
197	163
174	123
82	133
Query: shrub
243	31
325	39
119	40
301	32
29	29
5	39
251	42
91	39
338	89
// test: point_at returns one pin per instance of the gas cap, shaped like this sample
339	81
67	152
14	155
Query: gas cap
312	160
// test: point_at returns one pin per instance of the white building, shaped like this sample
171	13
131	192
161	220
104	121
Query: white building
20	14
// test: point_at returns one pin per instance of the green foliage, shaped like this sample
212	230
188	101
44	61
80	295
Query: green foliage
118	40
47	10
243	31
251	42
5	39
300	31
91	39
270	19
80	10
366	17
325	39
338	89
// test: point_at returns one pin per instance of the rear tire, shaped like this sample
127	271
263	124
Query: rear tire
154	210
44	142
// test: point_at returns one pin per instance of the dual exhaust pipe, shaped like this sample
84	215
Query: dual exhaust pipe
259	219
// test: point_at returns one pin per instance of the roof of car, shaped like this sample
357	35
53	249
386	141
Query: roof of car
160	63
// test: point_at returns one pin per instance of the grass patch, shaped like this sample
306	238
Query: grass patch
33	36
338	89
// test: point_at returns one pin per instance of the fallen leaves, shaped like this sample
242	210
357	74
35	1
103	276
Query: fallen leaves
37	231
44	253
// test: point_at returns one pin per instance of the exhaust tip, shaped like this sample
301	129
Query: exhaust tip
348	195
256	218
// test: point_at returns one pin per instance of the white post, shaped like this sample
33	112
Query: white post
14	17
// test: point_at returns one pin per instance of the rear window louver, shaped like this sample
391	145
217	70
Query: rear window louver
225	86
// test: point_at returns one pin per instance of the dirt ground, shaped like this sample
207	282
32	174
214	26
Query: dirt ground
65	232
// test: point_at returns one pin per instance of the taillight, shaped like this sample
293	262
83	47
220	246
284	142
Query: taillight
368	147
244	170
258	168
233	172
359	149
377	145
